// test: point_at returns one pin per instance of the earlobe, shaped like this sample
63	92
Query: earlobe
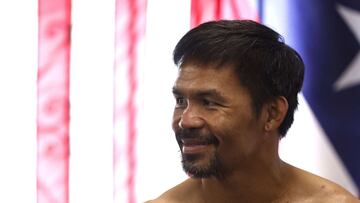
276	112
269	125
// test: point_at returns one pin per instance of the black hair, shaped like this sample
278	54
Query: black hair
264	64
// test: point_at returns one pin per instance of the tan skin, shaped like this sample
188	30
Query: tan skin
212	100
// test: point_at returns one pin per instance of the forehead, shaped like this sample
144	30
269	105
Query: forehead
192	77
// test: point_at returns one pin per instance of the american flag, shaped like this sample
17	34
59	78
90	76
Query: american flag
86	102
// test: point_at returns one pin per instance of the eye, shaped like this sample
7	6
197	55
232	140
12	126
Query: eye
180	102
209	103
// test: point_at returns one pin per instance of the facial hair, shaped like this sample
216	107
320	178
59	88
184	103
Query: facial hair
213	168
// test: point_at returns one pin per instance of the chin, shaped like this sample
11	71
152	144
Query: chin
199	166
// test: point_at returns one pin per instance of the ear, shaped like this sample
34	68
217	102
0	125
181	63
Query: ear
275	111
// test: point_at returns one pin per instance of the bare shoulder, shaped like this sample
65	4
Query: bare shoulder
332	192
179	193
317	189
157	200
163	199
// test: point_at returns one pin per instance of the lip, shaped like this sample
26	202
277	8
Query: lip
192	146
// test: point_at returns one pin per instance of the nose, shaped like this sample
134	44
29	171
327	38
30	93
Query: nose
191	119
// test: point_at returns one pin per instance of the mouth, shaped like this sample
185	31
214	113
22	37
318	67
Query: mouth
193	146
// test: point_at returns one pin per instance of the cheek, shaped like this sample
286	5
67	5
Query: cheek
232	133
221	129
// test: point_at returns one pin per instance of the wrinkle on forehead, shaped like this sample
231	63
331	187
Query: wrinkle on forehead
193	78
207	75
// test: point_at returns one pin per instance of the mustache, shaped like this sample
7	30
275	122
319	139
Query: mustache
207	138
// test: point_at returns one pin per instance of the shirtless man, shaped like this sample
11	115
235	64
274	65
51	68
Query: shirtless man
236	94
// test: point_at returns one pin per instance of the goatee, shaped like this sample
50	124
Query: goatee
212	167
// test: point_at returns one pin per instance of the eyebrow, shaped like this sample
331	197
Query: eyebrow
176	91
202	93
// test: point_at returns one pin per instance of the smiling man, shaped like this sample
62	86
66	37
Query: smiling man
236	93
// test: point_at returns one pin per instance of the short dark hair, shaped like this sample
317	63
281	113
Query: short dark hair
264	64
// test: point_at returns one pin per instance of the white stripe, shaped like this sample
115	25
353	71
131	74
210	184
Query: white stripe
18	65
159	165
91	79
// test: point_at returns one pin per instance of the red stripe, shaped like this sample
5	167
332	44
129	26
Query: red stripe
195	13
131	105
218	10
53	101
235	9
130	26
204	10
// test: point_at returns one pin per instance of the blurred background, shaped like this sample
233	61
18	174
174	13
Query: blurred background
86	102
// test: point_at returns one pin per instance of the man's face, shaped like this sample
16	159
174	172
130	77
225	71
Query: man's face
213	121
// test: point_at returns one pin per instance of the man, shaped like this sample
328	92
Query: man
236	94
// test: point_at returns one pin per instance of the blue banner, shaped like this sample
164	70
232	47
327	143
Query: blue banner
327	35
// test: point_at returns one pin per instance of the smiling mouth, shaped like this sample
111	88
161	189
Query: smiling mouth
192	146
